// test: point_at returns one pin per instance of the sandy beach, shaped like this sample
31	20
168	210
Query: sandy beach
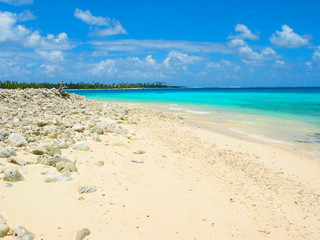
126	172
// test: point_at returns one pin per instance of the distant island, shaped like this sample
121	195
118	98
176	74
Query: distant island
82	85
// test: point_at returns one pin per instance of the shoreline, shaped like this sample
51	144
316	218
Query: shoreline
154	174
204	121
200	122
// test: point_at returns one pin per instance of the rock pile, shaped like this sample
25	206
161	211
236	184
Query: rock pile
44	122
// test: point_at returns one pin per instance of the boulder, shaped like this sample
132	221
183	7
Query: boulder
82	145
66	166
17	140
48	160
16	160
100	128
62	144
37	150
52	149
20	233
5	152
42	123
12	175
95	137
78	127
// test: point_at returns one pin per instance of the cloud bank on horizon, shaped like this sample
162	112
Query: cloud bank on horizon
108	52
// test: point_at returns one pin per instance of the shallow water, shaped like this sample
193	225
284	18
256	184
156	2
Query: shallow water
283	115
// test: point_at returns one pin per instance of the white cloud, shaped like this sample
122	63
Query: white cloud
104	67
10	68
52	56
179	59
146	67
236	42
223	65
50	70
132	45
251	57
289	39
150	60
17	2
11	32
316	54
244	33
107	26
279	64
26	15
49	42
308	64
88	18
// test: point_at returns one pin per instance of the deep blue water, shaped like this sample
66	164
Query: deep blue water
291	114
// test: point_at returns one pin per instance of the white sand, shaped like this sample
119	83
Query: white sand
191	183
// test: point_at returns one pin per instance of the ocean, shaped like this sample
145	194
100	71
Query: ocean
281	115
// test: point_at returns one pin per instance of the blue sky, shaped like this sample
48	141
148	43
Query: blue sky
190	43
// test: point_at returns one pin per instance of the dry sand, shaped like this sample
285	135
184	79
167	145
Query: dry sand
191	183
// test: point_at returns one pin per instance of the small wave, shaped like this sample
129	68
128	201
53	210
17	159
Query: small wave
175	109
260	137
247	122
196	112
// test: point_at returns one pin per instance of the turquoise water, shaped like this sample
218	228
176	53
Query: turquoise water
287	115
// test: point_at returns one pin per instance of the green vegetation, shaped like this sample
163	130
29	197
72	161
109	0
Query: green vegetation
82	85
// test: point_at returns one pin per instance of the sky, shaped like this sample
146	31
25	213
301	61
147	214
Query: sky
194	43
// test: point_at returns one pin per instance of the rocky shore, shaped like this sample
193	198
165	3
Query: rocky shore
71	168
45	122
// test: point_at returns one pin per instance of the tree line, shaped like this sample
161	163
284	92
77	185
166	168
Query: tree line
82	85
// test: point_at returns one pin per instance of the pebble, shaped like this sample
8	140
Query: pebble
4	229
84	232
100	163
86	189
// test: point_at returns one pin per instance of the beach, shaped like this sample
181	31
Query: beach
128	172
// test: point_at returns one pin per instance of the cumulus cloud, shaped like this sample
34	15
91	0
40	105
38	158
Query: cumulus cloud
289	39
146	67
121	65
11	32
17	2
251	57
244	33
104	67
106	26
179	59
49	42
52	56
